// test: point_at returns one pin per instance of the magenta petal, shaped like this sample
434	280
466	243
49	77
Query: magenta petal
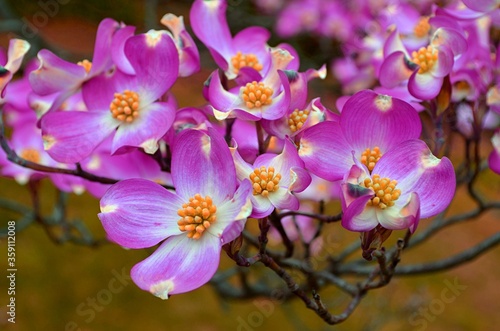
451	38
221	99
300	179
235	210
202	163
356	215
118	46
431	178
208	20
145	131
325	151
444	62
179	265
103	46
283	199
98	92
424	86
370	119
406	217
70	136
262	207
394	70
55	74
155	60
281	103
189	56
253	40
137	213
481	5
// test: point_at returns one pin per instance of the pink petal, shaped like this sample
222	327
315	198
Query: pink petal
179	265
103	49
221	99
431	178
235	210
70	136
283	199
145	131
262	207
400	218
137	213
370	119
202	163
325	151
189	56
118	46
155	60
444	63
356	215
424	86
395	69
208	21
55	74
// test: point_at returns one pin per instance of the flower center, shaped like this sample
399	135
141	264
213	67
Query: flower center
425	57
125	106
31	154
86	64
256	95
370	157
245	60
196	216
385	191
422	28
297	119
264	181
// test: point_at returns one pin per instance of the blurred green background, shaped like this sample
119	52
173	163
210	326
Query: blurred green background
56	284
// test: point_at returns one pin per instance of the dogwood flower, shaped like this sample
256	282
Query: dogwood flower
370	125
119	102
274	178
406	184
206	211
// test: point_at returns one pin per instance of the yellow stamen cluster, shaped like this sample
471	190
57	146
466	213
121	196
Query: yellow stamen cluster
125	106
256	94
422	28
297	119
196	216
245	60
425	57
385	191
31	154
370	157
264	181
86	64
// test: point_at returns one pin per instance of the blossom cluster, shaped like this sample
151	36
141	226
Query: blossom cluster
190	178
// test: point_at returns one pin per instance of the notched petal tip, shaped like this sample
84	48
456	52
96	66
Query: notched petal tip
48	142
162	289
383	102
108	208
150	146
153	37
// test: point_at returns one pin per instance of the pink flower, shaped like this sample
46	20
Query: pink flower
244	54
119	102
206	211
274	179
406	184
426	67
370	125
